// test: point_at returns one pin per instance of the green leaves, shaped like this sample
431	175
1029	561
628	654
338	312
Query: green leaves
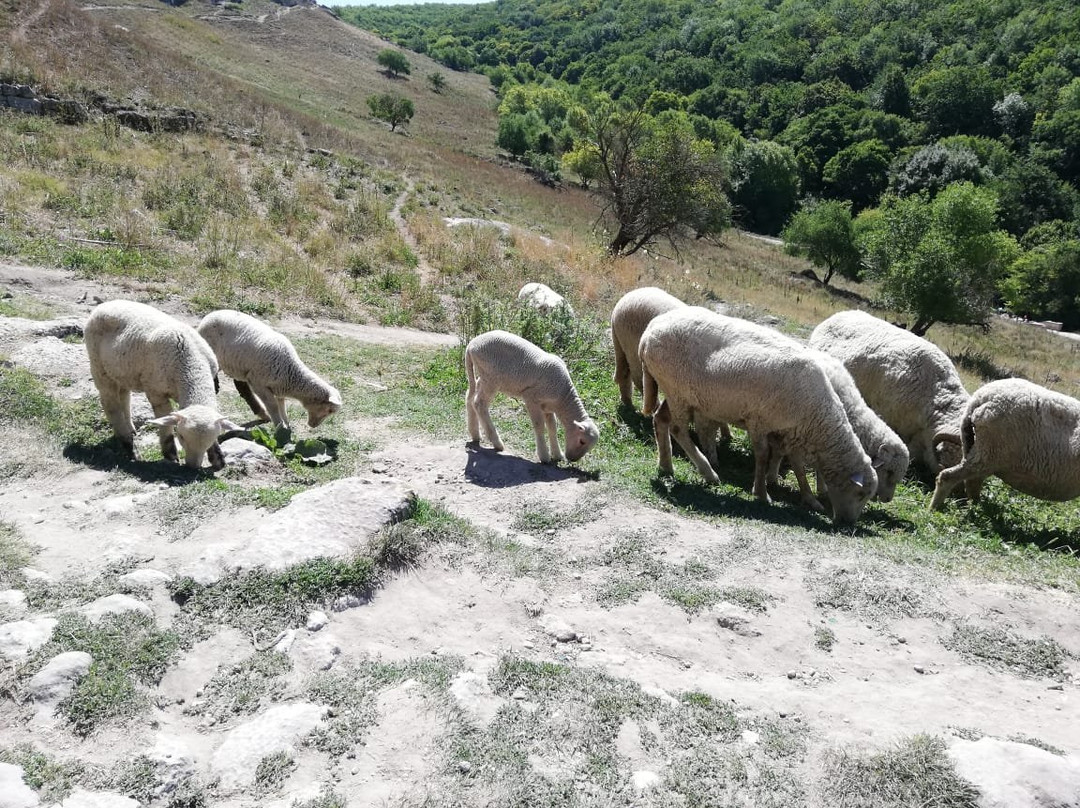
279	441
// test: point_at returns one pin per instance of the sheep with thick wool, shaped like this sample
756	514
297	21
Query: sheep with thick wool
543	298
905	379
501	362
133	346
631	315
716	369
1023	433
266	369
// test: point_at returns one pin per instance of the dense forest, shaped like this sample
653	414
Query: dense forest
935	145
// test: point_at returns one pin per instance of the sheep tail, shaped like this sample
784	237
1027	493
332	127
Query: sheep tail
649	393
470	373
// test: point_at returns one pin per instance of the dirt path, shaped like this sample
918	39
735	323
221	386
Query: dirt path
428	273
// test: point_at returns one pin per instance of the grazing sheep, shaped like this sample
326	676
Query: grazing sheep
717	369
1023	433
905	379
543	298
634	311
266	368
133	346
501	362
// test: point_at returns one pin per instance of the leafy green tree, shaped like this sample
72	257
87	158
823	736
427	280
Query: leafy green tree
956	101
940	260
584	161
1030	194
395	62
823	233
859	173
936	166
890	93
657	179
765	184
1044	284
394	109
437	82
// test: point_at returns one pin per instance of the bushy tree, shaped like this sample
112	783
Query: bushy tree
765	184
394	109
657	180
956	101
1044	284
437	82
858	173
940	259
395	62
822	231
936	166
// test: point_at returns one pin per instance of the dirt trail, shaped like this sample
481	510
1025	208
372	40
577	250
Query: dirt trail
428	273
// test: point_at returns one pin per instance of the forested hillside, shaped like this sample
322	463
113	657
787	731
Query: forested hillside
827	115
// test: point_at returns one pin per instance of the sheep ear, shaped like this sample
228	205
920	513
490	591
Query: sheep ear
225	425
335	398
172	419
878	461
858	479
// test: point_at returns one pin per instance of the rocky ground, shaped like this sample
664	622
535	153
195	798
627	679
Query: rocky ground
549	658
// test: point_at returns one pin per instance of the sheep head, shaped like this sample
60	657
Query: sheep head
197	428
321	410
580	437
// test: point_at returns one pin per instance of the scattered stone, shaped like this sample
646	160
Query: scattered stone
520	694
1017	775
557	629
528	644
283	645
114	604
920	669
57	679
474	696
315	651
1056	687
316	621
750	737
464	766
80	798
146	577
279	729
31	574
13	600
644	780
346	602
19	638
241	452
792	674
174	765
14	793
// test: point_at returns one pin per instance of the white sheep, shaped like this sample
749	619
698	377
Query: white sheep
905	379
543	298
634	311
266	369
718	369
133	346
501	362
1023	433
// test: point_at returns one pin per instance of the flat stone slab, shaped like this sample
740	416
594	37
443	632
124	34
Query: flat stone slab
19	638
330	521
81	798
114	604
57	679
279	729
14	793
1017	775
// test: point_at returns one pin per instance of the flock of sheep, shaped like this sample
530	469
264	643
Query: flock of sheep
859	402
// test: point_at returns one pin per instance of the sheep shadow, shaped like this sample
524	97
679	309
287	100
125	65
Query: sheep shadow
108	455
1001	520
786	509
490	469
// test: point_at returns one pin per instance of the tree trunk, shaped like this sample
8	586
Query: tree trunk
921	326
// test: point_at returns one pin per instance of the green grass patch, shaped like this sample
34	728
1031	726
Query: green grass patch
824	638
916	771
128	651
15	553
52	779
1001	648
242	688
538	516
871	591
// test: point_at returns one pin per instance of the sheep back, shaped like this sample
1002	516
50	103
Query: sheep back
631	315
905	379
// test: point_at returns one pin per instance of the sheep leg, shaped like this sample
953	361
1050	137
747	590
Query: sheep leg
973	488
536	415
244	389
553	436
967	471
798	465
622	376
273	406
162	407
680	429
481	404
760	443
472	422
117	406
662	431
706	432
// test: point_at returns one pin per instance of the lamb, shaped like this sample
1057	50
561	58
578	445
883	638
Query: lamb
543	298
634	311
133	346
1023	433
905	379
266	368
718	369
501	362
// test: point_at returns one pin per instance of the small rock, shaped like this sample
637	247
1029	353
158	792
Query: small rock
792	674
920	669
379	469
901	640
241	452
31	574
19	638
59	676
1056	687
528	644
81	798
13	600
316	621
145	577
464	766
566	636
750	737
520	694
644	780
346	602
14	793
114	604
